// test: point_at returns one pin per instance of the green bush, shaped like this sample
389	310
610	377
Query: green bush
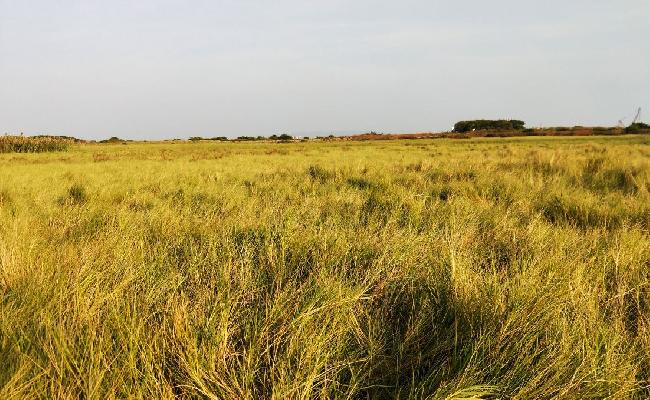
637	127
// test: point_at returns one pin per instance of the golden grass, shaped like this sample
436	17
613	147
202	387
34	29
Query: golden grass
483	268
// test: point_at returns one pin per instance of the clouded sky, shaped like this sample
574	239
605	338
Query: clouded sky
171	68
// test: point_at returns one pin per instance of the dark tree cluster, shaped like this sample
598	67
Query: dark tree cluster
283	136
636	127
217	138
249	138
487	124
113	139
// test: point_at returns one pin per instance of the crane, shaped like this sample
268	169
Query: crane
637	117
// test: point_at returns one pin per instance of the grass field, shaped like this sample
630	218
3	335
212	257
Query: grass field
512	268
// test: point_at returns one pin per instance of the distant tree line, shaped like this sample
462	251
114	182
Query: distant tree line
281	137
500	127
488	124
114	139
217	138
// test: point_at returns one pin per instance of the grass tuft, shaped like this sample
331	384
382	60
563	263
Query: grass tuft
76	195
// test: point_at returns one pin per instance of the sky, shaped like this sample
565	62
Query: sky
173	69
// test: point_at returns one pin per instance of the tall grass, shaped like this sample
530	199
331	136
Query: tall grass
27	144
486	268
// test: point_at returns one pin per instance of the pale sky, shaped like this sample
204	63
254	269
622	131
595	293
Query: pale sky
170	68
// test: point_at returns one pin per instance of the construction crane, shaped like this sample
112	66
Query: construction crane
637	118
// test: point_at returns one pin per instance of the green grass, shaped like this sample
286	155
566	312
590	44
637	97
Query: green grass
482	268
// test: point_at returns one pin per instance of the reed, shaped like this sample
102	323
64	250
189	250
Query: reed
27	144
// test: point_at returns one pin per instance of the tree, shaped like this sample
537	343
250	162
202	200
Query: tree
636	127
